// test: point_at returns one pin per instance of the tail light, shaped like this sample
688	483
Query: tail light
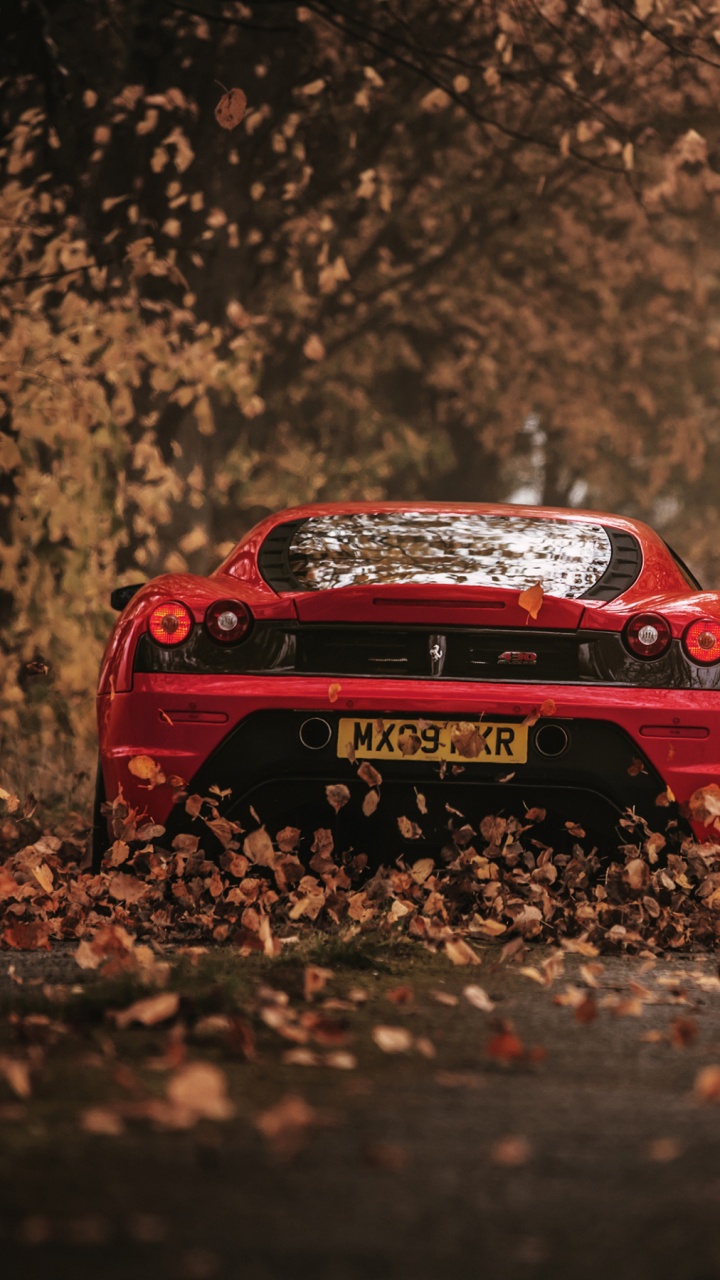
702	641
228	621
647	635
170	623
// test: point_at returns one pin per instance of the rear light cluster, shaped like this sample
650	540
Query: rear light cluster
227	621
702	641
170	623
647	635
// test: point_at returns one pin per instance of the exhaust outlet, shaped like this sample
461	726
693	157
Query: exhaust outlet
552	740
315	733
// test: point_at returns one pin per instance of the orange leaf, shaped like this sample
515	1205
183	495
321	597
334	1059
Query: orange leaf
531	600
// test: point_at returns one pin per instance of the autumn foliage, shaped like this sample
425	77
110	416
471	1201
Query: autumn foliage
241	268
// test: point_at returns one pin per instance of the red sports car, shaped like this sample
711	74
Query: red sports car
439	662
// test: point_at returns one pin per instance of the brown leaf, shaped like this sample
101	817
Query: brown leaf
147	769
460	952
127	888
506	1047
286	1125
422	869
409	830
705	804
707	1084
103	1120
258	848
478	998
31	936
392	1039
231	108
400	995
371	802
16	1074
314	979
198	1091
193	805
150	1010
288	839
314	349
683	1033
636	873
369	774
586	1011
636	767
338	795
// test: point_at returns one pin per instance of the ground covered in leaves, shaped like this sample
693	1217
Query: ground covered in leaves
657	891
257	1066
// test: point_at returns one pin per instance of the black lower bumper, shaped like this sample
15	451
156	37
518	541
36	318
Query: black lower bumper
597	777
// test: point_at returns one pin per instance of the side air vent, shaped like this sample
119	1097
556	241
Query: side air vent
273	558
625	565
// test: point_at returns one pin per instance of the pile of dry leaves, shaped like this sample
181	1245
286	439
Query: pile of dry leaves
497	883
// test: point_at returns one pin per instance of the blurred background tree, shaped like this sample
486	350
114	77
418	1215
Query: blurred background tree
452	249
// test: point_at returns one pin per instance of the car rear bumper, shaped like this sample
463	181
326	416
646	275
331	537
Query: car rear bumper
625	745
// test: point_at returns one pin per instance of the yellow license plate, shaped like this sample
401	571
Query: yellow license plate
461	741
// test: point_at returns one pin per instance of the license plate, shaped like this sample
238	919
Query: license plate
462	741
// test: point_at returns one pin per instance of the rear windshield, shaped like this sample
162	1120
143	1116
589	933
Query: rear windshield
567	557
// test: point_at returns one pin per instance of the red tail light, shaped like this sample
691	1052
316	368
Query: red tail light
647	635
228	621
702	641
170	623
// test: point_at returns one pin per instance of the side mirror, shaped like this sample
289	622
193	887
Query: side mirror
123	595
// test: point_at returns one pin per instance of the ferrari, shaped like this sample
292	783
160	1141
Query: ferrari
391	672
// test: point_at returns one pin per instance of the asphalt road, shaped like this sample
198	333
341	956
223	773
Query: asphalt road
595	1160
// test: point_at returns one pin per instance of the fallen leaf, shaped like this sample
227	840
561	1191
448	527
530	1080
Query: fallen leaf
531	600
258	848
16	1073
287	1124
409	830
586	1011
370	802
505	1047
707	1084
231	108
150	1010
340	1060
460	952
369	774
198	1091
422	870
392	1039
147	769
102	1120
337	794
479	998
683	1033
314	980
